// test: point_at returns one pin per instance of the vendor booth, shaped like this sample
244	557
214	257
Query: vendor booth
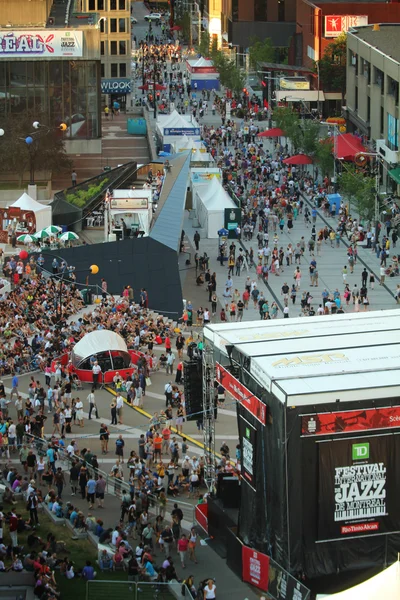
128	213
200	179
170	129
24	216
109	349
211	202
319	428
203	73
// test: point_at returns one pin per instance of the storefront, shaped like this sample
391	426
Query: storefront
115	90
54	74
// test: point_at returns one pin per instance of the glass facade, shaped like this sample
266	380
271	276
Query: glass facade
66	91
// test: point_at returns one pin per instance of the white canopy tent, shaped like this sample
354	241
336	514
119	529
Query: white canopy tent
384	585
211	203
98	342
42	212
173	127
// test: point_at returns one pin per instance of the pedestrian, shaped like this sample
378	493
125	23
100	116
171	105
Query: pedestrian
196	239
382	272
119	404
74	178
92	404
113	408
119	448
192	544
183	544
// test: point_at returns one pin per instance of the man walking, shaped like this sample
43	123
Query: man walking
74	178
96	370
196	239
92	404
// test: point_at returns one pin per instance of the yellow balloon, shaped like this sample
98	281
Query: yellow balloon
63	127
342	129
94	269
97	301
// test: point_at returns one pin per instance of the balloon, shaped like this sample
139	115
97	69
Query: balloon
35	124
23	255
29	140
1	132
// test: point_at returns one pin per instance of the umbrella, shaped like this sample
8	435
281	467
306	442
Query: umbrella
69	235
275	132
53	229
163	153
41	235
176	28
298	159
150	86
25	238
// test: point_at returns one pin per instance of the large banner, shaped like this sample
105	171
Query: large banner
247	437
238	391
255	567
48	43
359	487
350	420
283	586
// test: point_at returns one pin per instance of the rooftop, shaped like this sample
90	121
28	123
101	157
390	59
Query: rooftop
386	39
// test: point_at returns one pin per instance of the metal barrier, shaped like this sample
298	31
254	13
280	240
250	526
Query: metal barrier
106	589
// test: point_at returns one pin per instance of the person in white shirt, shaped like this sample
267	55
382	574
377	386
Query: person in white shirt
210	590
79	411
119	401
170	362
92	404
96	370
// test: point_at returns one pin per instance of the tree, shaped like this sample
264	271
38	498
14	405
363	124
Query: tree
261	51
47	150
360	189
184	22
332	66
203	47
324	156
230	75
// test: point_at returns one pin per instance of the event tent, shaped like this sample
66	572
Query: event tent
384	585
41	211
104	344
347	146
211	203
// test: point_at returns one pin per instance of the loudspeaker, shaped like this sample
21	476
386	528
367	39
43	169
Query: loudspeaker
193	389
230	492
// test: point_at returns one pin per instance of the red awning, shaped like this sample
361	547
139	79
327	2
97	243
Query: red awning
347	145
275	132
298	159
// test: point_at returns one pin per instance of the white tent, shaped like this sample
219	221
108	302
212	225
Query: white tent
211	203
42	212
98	342
384	585
174	127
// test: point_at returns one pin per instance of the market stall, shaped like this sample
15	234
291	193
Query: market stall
211	202
203	73
24	216
172	128
128	213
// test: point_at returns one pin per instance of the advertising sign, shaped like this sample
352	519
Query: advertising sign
350	420
116	86
181	131
238	391
247	436
204	177
283	586
358	487
255	568
46	43
293	84
232	219
129	203
337	24
393	132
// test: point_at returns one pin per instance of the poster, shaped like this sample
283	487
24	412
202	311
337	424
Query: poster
247	436
282	586
350	421
358	487
238	391
255	567
47	43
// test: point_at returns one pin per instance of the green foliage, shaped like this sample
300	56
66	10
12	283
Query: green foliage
261	51
47	149
332	66
230	75
203	47
81	198
324	156
359	188
184	22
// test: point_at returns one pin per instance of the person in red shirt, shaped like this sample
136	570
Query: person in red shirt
166	434
246	298
167	343
13	525
157	445
183	544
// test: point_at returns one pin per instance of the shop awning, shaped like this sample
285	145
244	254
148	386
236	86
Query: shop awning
299	96
395	174
347	146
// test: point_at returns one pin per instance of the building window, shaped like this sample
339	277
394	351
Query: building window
393	132
235	10
102	48
100	4
113	25
122	70
281	10
113	48
382	123
122	25
122	48
366	70
92	4
353	62
114	70
102	70
113	4
102	28
121	4
393	88
260	10
379	79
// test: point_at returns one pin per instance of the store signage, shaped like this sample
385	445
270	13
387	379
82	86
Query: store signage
291	84
240	393
337	24
255	567
358	487
44	43
248	436
129	203
116	86
350	420
181	130
201	70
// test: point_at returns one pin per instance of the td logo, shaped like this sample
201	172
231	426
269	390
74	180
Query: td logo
247	433
360	451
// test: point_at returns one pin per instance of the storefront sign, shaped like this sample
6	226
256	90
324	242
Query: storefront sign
247	437
47	43
129	203
337	24
181	131
116	86
358	487
292	84
350	420
238	391
255	567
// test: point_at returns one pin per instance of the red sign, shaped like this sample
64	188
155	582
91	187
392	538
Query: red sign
359	528
255	568
238	391
201	514
203	70
337	24
350	420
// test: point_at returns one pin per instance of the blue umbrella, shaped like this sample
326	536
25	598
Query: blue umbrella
162	153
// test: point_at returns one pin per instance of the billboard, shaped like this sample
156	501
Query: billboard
393	132
46	43
358	487
248	439
350	421
238	391
116	86
255	568
337	24
181	130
